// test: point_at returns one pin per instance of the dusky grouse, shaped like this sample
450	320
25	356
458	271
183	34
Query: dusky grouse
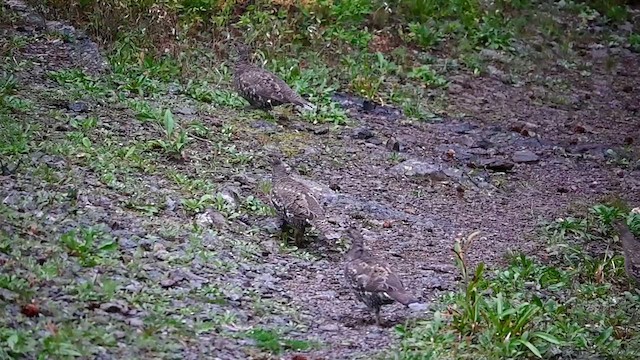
631	248
261	88
372	280
296	204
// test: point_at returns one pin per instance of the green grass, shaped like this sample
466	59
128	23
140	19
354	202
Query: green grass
579	303
316	46
272	342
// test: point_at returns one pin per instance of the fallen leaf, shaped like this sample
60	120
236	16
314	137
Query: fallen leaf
30	310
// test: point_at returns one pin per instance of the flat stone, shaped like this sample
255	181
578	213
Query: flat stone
493	164
329	327
78	106
524	156
416	168
362	133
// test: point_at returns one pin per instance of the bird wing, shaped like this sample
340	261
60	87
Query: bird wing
377	277
298	199
266	85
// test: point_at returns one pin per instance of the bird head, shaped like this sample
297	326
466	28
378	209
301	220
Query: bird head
241	51
356	249
619	225
274	158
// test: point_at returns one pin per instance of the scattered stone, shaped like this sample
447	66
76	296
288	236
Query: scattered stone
78	106
231	195
525	129
493	55
329	327
169	282
211	218
117	306
419	307
420	169
362	133
497	73
463	128
453	173
186	110
127	243
265	126
170	204
146	244
524	156
321	131
455	89
483	144
493	164
160	252
134	288
135	322
374	141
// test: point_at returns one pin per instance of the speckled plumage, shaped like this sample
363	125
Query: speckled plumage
372	280
631	248
297	205
261	88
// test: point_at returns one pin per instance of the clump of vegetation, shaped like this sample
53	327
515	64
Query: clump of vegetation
580	304
367	46
175	140
272	342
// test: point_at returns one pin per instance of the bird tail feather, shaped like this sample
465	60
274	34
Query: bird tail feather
326	229
402	297
306	105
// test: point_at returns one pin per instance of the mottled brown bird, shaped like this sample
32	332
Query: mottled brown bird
373	282
296	204
631	248
261	88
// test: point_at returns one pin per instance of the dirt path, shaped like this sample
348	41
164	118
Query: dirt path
186	294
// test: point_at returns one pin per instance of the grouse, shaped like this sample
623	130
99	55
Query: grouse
372	281
261	88
296	204
631	248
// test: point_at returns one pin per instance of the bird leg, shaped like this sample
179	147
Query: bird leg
298	236
377	314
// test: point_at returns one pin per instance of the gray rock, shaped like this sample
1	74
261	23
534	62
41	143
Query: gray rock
490	54
497	73
115	307
186	110
135	322
362	133
421	307
329	327
78	106
416	168
211	218
374	141
127	243
231	195
170	204
524	156
321	131
493	164
265	126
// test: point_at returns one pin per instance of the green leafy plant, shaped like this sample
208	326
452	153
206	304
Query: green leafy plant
88	244
271	341
175	141
530	309
428	76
